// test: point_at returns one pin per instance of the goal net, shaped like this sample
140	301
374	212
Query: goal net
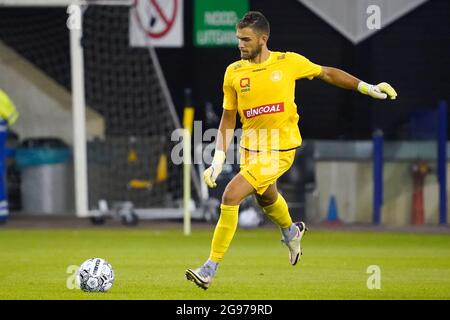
129	158
133	161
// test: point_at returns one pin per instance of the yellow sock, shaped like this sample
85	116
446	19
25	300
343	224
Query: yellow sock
278	212
225	229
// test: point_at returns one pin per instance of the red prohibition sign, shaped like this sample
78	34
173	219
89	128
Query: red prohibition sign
168	21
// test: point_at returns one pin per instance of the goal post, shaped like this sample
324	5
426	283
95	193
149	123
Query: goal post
75	23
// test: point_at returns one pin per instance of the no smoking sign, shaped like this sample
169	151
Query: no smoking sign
156	23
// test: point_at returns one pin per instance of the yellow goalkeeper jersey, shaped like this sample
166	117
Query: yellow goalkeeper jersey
264	95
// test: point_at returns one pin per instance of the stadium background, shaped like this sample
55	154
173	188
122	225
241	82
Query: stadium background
413	53
38	252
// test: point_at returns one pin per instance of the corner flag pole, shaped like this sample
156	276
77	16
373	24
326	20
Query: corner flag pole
188	119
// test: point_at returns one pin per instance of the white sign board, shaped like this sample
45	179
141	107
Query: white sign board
156	23
358	19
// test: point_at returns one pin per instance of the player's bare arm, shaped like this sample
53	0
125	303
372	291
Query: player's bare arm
339	78
345	80
224	136
226	129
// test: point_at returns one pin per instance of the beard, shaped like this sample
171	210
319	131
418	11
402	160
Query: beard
250	55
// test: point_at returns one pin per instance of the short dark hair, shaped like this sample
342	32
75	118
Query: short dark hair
256	21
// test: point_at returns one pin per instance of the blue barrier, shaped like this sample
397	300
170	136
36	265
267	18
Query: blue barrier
4	212
377	175
442	161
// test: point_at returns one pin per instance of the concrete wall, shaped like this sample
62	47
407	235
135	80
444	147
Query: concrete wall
45	107
352	184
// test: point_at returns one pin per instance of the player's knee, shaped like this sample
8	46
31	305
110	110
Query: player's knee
231	197
265	201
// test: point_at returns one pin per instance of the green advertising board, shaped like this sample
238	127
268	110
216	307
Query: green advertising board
215	22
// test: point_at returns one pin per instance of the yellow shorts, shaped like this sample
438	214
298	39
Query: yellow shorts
262	169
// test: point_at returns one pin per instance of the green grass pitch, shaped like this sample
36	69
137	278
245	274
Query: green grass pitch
150	264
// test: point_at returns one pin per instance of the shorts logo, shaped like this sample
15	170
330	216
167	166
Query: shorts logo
267	109
276	76
251	175
245	84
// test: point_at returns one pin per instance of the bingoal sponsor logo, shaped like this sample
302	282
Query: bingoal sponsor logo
267	109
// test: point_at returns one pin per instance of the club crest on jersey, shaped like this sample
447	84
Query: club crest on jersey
266	109
245	84
277	75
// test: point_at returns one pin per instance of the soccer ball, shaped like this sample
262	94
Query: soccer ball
95	275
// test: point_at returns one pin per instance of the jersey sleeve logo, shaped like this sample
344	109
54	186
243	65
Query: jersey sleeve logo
266	109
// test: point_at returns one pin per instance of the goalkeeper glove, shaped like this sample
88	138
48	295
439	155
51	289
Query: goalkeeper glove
380	91
210	174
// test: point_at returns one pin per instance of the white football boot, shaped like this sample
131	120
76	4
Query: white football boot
202	276
294	245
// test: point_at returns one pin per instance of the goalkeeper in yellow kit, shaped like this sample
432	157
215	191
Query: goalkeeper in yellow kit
261	88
